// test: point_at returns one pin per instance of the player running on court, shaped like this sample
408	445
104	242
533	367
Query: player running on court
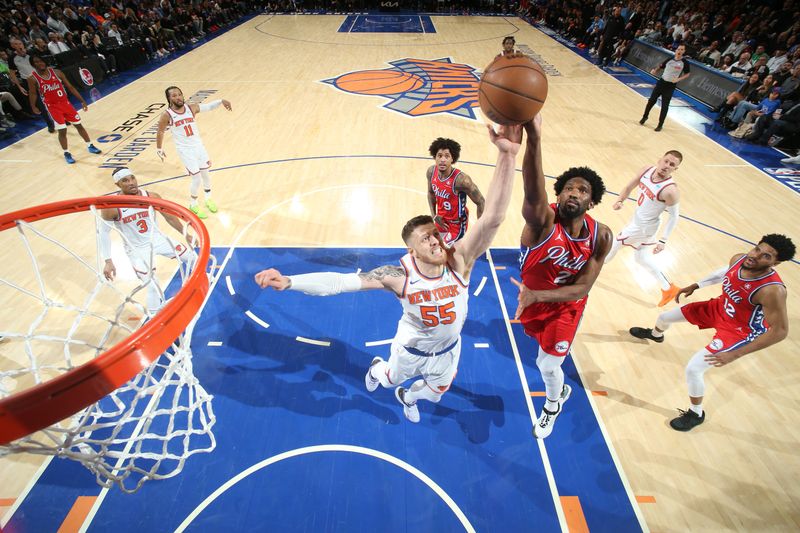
448	189
180	119
53	86
748	316
658	192
562	251
431	283
139	233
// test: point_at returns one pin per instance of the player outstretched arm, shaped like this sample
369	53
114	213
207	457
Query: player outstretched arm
33	91
480	236
539	218
199	108
629	187
583	281
389	277
71	89
714	278
465	184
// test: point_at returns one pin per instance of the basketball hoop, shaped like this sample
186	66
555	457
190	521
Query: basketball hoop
129	409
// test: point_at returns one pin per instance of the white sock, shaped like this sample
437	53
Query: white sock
206	179
698	409
551	405
88	144
657	333
194	187
193	203
208	193
379	371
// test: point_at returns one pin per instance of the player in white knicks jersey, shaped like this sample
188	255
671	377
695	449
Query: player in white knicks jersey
431	283
180	118
142	239
658	192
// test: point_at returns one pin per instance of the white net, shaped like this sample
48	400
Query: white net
62	313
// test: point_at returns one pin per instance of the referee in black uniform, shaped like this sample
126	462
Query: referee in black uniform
675	70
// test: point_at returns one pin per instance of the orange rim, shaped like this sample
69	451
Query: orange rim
47	403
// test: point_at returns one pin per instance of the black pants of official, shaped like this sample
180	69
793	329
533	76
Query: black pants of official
664	89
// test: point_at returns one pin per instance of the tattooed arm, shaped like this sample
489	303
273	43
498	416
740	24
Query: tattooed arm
465	184
388	277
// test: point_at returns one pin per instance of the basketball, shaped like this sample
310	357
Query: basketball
378	82
512	89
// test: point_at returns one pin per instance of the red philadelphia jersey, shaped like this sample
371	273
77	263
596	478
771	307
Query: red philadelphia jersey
53	92
733	314
450	205
551	264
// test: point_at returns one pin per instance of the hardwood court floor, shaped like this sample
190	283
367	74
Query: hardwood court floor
301	163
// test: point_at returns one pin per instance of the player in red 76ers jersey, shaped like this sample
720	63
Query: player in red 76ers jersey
562	252
432	285
748	316
53	86
448	189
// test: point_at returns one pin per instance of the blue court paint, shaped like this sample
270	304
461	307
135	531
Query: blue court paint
398	23
273	394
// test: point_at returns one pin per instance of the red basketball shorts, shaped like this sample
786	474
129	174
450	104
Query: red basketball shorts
553	325
62	113
727	335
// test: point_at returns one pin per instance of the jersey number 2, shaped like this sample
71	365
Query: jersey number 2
142	225
433	315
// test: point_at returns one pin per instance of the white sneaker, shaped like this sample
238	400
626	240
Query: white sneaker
411	411
371	382
544	426
795	159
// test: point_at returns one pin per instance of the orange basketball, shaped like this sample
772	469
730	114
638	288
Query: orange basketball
512	89
378	82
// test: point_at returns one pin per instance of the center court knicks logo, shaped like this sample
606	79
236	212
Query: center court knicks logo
418	87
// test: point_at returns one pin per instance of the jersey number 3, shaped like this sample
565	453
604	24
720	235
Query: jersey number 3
433	315
141	224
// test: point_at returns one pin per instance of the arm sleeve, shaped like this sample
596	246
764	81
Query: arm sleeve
713	278
674	214
105	240
210	106
325	283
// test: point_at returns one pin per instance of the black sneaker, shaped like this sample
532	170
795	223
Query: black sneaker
687	420
645	333
658	128
643	120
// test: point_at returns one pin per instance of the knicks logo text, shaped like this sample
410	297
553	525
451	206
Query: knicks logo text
448	291
418	87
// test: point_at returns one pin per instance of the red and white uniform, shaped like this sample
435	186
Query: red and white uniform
140	232
643	228
428	338
450	205
734	316
187	139
54	96
553	263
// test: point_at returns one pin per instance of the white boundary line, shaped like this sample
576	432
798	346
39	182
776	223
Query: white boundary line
312	341
329	448
230	285
480	286
257	320
625	483
378	343
481	345
214	343
24	494
548	470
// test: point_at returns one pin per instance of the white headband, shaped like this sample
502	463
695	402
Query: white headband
121	173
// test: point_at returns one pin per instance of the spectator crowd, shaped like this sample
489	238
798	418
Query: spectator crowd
63	30
755	40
